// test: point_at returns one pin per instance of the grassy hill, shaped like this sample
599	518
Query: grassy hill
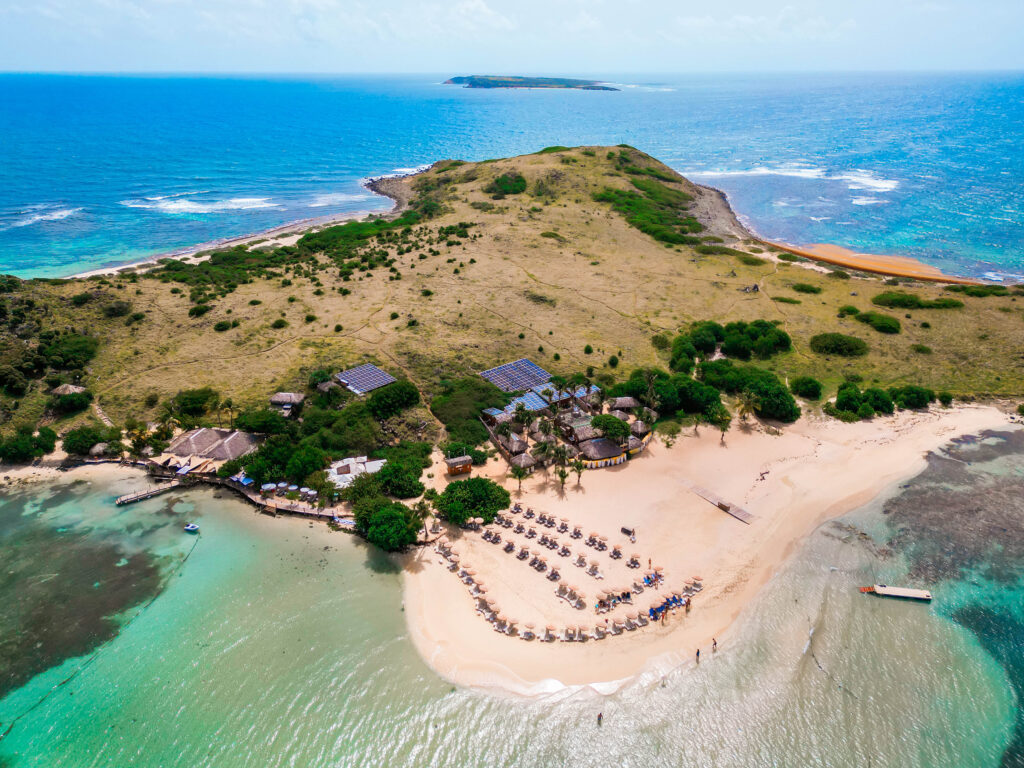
546	255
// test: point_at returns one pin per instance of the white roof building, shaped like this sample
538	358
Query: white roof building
343	472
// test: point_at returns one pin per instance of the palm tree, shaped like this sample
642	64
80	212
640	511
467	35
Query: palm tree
520	415
504	429
562	474
577	467
519	474
542	451
650	379
229	406
747	403
546	426
560	454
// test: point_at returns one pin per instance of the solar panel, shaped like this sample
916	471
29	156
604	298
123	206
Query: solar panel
517	376
365	378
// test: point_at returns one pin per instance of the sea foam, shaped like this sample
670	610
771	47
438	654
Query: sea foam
39	213
182	205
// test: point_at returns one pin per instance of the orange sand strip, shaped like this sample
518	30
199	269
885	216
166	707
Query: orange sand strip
895	266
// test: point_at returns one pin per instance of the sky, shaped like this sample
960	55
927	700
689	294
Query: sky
509	37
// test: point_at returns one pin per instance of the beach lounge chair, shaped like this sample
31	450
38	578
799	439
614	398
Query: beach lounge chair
523	554
577	533
520	528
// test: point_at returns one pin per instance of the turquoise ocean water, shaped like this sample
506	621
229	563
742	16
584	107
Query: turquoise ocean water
103	170
272	642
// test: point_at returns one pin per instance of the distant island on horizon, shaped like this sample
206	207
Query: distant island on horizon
516	81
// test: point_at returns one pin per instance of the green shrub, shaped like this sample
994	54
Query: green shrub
117	309
946	399
506	184
279	323
806	288
903	300
838	274
921	349
656	210
459	405
68	404
784	256
865	411
393	399
222	326
880	322
81	439
806	387
786	300
848	310
613	361
587	350
81	298
309	318
838	344
774	399
980	291
911	396
69	351
199	310
660	341
195	402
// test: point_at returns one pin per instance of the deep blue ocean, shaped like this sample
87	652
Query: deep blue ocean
103	170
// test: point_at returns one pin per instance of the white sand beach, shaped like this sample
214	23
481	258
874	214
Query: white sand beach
790	481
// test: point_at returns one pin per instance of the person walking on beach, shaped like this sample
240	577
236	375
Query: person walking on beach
600	717
698	655
714	644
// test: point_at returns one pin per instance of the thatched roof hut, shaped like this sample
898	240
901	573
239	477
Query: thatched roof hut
327	386
649	415
584	433
639	428
524	460
601	448
571	451
623	403
286	398
99	449
620	415
512	444
635	444
68	389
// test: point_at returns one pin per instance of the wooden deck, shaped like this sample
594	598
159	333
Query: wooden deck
271	505
738	512
904	593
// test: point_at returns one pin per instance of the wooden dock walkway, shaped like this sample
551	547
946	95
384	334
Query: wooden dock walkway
131	498
738	512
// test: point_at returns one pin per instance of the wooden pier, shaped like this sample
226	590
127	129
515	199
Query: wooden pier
738	512
903	593
131	498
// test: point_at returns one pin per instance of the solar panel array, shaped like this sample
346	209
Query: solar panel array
517	376
365	378
531	401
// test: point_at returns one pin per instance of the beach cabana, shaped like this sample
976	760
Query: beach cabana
639	428
620	415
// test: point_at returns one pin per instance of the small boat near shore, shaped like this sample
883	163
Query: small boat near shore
903	593
191	528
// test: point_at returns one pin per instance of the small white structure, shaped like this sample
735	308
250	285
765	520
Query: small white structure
343	472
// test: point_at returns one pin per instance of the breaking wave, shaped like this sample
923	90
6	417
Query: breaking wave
174	204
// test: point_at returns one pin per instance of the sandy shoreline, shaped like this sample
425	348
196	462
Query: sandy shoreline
284	234
815	470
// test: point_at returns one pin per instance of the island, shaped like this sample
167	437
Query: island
516	81
590	412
